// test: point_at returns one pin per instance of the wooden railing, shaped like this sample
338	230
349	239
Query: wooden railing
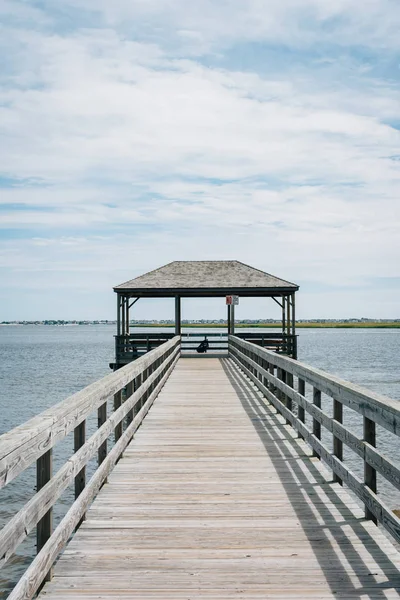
277	377
218	341
132	346
132	389
277	341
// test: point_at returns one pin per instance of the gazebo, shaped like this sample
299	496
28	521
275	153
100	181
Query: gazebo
203	279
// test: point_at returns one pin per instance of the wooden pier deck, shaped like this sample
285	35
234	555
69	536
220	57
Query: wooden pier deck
216	498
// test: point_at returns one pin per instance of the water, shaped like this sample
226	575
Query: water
42	365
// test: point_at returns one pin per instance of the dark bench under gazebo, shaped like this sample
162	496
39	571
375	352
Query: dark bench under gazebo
203	279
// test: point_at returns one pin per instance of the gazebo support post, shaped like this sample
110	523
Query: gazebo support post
233	319
283	315
118	314
127	316
177	315
288	317
294	343
229	318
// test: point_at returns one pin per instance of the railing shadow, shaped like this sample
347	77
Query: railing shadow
343	563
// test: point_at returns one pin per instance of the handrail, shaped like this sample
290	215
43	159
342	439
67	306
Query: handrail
141	380
260	366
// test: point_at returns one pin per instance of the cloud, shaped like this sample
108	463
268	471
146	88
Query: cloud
135	128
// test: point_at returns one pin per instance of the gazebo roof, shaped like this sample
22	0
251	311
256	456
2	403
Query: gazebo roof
205	279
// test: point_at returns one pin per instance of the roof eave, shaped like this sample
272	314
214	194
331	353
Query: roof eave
205	292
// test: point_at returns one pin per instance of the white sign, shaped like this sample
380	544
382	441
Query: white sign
232	300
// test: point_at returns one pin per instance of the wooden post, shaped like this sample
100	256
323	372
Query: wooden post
117	404
272	371
369	472
289	382
129	392
316	424
288	315
79	440
138	383
44	469
177	315
301	410
118	314
294	340
229	318
337	444
279	392
283	317
127	316
102	418
123	313
233	319
117	337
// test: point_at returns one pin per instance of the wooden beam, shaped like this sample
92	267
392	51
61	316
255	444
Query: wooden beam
123	315
277	301
79	440
118	314
127	316
288	316
44	471
134	302
369	471
177	315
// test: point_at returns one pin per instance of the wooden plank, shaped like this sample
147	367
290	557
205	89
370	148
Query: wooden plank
23	522
375	505
341	434
31	581
217	498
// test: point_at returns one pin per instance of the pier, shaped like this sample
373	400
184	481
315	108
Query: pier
219	484
219	475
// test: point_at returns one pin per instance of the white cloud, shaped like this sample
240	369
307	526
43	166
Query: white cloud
138	139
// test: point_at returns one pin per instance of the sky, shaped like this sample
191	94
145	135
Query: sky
138	132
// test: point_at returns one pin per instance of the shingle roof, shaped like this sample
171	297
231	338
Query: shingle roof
206	278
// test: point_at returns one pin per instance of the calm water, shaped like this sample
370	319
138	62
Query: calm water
42	365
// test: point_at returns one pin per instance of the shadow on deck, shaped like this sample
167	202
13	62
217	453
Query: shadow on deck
363	569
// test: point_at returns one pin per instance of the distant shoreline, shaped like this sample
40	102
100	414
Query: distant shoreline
299	325
276	325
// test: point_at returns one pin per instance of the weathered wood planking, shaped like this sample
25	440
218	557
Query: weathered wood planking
21	446
16	530
216	499
382	410
276	390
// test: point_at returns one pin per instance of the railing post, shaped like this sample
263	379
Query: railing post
137	383
129	392
80	479
301	386
265	365
44	469
101	419
117	404
272	371
289	382
369	472
337	444
316	424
